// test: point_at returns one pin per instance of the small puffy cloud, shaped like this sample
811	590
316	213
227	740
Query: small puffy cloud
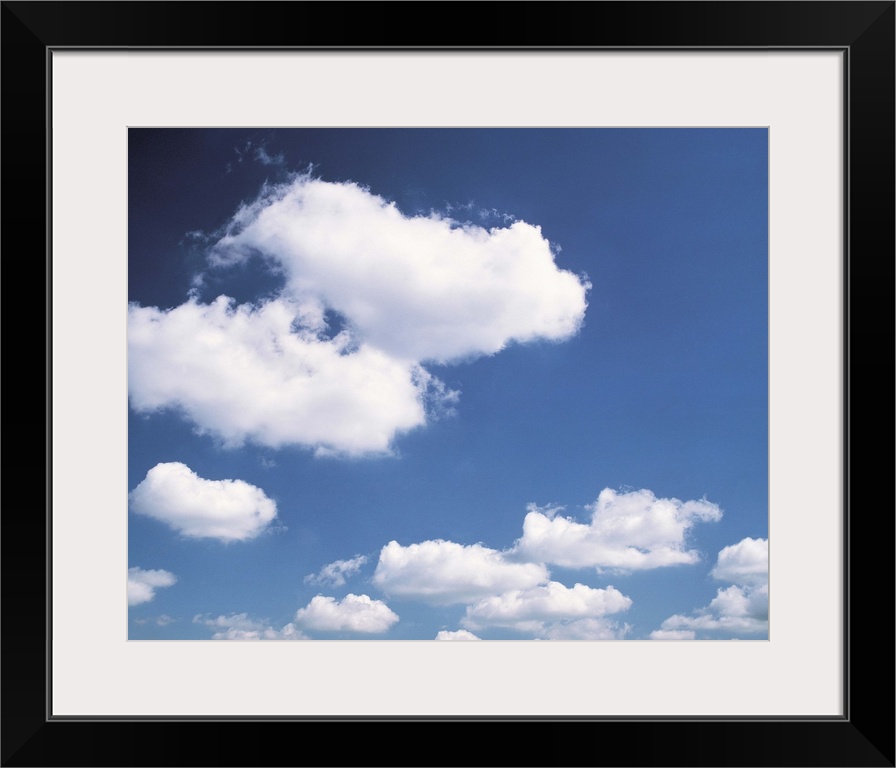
228	510
538	610
334	574
354	613
628	531
443	572
461	634
142	585
741	608
239	626
334	361
744	563
416	287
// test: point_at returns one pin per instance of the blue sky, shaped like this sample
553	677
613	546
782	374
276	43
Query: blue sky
463	383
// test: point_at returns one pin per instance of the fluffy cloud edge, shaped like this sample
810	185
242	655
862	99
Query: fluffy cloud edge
226	510
546	609
142	584
444	572
354	613
628	531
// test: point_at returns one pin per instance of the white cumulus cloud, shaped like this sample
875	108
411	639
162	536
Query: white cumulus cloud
628	531
443	572
416	287
242	372
142	585
538	610
744	563
405	291
228	510
335	573
741	608
354	613
239	626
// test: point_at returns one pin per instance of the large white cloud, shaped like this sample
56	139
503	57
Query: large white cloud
443	572
228	510
628	531
244	373
419	288
239	626
535	610
741	608
354	613
407	290
142	585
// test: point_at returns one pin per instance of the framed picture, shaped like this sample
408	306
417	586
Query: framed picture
621	416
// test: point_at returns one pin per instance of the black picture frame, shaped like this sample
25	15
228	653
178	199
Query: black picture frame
863	736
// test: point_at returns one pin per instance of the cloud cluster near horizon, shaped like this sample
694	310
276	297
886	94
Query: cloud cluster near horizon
335	360
240	626
741	608
512	589
504	589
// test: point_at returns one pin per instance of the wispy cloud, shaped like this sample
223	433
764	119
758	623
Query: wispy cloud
257	151
228	510
239	626
142	585
334	574
262	156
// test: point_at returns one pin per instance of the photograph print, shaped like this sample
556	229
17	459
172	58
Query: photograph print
459	384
